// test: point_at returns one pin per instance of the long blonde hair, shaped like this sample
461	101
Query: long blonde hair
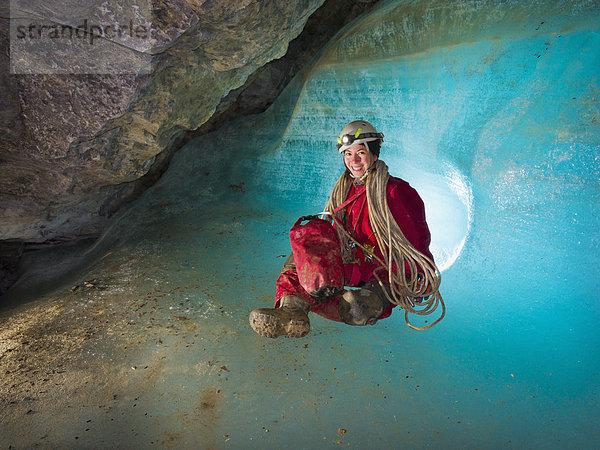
418	295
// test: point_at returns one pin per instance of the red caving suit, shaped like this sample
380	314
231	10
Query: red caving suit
407	209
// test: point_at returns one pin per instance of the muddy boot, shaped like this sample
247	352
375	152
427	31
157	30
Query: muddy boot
290	319
364	306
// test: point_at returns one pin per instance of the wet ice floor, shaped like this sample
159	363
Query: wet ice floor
150	346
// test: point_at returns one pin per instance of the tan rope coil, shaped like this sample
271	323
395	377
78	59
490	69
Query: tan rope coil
405	289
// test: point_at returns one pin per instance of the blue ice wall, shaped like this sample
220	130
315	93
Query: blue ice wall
491	110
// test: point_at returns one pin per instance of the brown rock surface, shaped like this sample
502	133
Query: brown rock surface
78	135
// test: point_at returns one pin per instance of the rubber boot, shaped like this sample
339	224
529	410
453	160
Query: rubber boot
290	319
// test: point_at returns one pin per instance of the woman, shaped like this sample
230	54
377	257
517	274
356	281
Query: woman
381	229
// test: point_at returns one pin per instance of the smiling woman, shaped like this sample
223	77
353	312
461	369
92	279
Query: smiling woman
358	159
384	240
359	142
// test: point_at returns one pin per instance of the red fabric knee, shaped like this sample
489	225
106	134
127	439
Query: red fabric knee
289	284
328	309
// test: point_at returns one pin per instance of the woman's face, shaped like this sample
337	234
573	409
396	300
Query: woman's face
358	159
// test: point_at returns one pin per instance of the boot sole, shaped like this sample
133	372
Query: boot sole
274	322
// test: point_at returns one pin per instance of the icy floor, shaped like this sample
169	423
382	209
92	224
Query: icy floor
150	346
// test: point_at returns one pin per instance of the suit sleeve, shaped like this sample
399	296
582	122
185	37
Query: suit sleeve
408	210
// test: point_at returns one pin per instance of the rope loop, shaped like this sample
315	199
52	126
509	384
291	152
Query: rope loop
417	292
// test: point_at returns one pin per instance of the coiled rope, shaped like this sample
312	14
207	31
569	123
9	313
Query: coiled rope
415	294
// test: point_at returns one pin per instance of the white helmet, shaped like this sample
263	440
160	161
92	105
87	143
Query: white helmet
359	132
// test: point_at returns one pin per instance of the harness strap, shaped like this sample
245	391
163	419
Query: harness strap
350	200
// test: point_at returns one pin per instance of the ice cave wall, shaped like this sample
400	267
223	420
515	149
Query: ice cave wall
489	110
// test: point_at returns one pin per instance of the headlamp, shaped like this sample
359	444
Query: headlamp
348	139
